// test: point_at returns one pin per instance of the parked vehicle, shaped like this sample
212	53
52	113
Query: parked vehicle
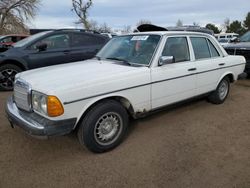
241	46
151	27
226	36
45	49
224	42
109	35
132	75
7	40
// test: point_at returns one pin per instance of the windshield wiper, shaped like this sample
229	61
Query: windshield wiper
118	59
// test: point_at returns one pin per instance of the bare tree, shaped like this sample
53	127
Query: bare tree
126	29
104	28
196	24
81	8
14	14
93	25
143	22
179	23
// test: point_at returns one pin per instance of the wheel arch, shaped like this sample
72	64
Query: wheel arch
14	62
230	75
120	99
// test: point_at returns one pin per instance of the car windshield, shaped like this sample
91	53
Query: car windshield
245	37
131	49
27	40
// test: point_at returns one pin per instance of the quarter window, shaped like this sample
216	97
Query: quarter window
214	52
178	48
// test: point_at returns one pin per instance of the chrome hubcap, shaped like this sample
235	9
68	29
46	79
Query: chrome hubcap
223	90
7	78
108	128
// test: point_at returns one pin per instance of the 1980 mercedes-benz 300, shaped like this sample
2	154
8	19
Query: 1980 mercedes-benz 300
131	76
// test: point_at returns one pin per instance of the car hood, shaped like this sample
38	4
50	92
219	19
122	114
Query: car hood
81	76
239	45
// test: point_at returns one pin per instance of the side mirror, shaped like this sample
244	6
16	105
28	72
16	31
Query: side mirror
166	60
42	47
234	39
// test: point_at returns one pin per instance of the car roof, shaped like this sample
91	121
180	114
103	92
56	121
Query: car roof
171	33
16	35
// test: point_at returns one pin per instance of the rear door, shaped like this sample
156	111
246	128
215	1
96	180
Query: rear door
208	63
57	51
85	46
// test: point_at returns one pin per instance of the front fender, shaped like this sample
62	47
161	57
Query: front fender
17	61
89	103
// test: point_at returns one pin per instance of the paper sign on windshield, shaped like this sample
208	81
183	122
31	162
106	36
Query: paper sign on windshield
140	37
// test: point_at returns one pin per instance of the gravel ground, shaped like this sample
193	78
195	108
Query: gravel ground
195	145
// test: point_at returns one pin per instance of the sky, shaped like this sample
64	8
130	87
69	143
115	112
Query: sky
117	14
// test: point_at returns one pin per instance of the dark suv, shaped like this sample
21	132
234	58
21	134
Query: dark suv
241	46
48	48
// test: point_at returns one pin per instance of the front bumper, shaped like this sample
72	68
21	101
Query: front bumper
35	124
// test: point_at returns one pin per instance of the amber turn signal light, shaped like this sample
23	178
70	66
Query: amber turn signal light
54	106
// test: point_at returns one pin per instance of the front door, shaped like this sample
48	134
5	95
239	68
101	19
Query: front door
176	81
57	51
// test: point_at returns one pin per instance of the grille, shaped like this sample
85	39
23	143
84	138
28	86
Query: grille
245	53
22	95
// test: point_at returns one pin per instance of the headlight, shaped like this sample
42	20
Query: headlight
46	105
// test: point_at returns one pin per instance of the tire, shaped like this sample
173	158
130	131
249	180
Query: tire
104	126
7	76
221	92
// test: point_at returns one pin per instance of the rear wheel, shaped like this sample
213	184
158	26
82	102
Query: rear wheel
104	126
221	92
7	76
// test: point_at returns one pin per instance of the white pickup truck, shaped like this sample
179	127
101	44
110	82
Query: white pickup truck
131	76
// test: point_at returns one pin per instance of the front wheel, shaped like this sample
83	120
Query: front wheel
7	76
104	126
221	92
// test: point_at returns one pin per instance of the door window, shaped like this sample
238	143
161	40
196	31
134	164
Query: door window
7	40
54	42
178	48
203	48
200	46
83	40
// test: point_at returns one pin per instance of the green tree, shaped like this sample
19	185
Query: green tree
80	7
179	23
246	22
213	28
236	27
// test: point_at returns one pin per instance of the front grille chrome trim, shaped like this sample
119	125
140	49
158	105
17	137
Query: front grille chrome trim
22	95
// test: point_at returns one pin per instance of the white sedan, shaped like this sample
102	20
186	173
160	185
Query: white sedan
132	75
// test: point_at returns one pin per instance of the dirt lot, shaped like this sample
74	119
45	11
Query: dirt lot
195	145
